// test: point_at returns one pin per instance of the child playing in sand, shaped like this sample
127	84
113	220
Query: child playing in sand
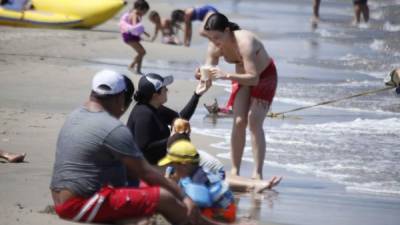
131	28
165	26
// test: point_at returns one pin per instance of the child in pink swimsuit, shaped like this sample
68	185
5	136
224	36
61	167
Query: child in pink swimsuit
131	28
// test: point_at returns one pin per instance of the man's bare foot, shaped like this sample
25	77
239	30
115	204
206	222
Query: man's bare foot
274	181
14	158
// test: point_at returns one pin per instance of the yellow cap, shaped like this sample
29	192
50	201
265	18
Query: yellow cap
181	151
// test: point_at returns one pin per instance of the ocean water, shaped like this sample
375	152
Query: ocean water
354	142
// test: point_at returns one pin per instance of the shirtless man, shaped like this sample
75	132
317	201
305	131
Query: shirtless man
254	85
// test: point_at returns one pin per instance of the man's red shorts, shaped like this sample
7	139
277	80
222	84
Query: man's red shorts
111	204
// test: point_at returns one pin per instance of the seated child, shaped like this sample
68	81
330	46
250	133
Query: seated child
181	130
207	189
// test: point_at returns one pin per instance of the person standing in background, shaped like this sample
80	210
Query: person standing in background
315	18
361	7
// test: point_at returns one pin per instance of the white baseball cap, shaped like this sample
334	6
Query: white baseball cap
108	82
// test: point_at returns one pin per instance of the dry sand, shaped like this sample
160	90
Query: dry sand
44	75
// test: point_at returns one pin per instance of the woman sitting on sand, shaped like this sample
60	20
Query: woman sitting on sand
164	26
149	119
189	15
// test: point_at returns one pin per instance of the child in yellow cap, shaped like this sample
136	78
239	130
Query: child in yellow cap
206	189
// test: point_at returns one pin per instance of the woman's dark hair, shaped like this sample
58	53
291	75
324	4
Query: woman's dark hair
128	91
219	22
141	5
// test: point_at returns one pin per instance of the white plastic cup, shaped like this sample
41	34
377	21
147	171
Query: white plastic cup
205	72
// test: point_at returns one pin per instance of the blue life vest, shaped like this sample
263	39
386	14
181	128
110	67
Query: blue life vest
216	195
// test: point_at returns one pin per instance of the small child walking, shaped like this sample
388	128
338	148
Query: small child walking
131	28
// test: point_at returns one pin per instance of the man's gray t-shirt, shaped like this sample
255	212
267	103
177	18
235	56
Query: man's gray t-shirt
89	148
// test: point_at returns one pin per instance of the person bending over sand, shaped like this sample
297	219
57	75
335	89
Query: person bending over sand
164	26
189	15
253	85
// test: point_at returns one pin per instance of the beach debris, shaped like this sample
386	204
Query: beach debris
393	78
212	108
19	205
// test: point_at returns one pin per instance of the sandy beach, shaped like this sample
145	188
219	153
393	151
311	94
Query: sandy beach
45	74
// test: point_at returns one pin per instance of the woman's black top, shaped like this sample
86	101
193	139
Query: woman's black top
150	130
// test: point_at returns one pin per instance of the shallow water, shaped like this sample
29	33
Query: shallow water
352	142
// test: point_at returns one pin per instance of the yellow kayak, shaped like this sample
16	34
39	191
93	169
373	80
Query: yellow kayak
92	12
34	18
62	13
